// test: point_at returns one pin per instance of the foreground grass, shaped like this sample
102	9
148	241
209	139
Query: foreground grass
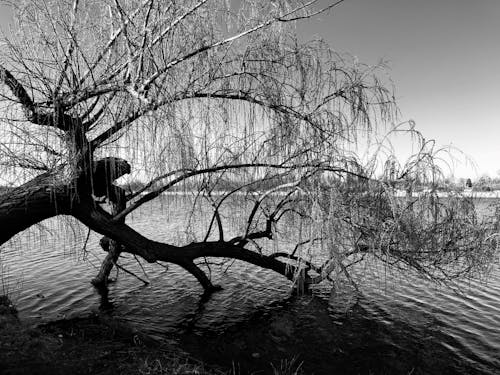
96	345
93	345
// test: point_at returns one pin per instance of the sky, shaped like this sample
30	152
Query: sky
444	59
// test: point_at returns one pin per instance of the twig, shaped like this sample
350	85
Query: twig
131	273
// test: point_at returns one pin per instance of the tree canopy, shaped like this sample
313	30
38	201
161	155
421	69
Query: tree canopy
228	101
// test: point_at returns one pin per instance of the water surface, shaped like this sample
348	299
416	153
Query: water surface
396	325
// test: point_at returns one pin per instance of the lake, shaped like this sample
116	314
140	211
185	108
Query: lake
395	324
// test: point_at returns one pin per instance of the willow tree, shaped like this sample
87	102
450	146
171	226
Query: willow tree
226	100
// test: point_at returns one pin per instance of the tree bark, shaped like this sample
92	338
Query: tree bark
28	204
112	247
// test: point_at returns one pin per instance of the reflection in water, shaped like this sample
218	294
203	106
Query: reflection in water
396	325
360	341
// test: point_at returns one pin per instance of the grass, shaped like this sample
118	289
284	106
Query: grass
97	345
288	367
92	345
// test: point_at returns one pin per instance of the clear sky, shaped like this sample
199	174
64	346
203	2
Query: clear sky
444	57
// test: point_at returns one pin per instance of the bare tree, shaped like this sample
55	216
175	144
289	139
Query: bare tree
228	102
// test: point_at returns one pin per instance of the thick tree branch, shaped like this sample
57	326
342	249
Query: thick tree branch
100	221
33	113
200	276
17	90
28	204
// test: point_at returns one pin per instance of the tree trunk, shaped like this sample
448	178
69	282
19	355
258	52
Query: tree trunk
28	204
112	247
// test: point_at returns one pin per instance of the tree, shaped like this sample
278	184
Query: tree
210	94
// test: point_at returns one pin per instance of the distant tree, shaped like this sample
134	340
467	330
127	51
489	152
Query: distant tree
468	183
205	93
483	183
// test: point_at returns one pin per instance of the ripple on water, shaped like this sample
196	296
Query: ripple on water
395	324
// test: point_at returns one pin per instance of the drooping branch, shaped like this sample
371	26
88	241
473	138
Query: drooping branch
138	89
111	42
173	24
243	101
92	119
190	173
233	95
283	18
69	50
121	124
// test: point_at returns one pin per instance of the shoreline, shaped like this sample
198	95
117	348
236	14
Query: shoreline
98	344
494	194
95	344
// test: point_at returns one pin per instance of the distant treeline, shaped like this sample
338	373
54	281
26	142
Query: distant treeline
216	184
484	183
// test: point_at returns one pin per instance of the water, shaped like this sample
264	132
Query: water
396	325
